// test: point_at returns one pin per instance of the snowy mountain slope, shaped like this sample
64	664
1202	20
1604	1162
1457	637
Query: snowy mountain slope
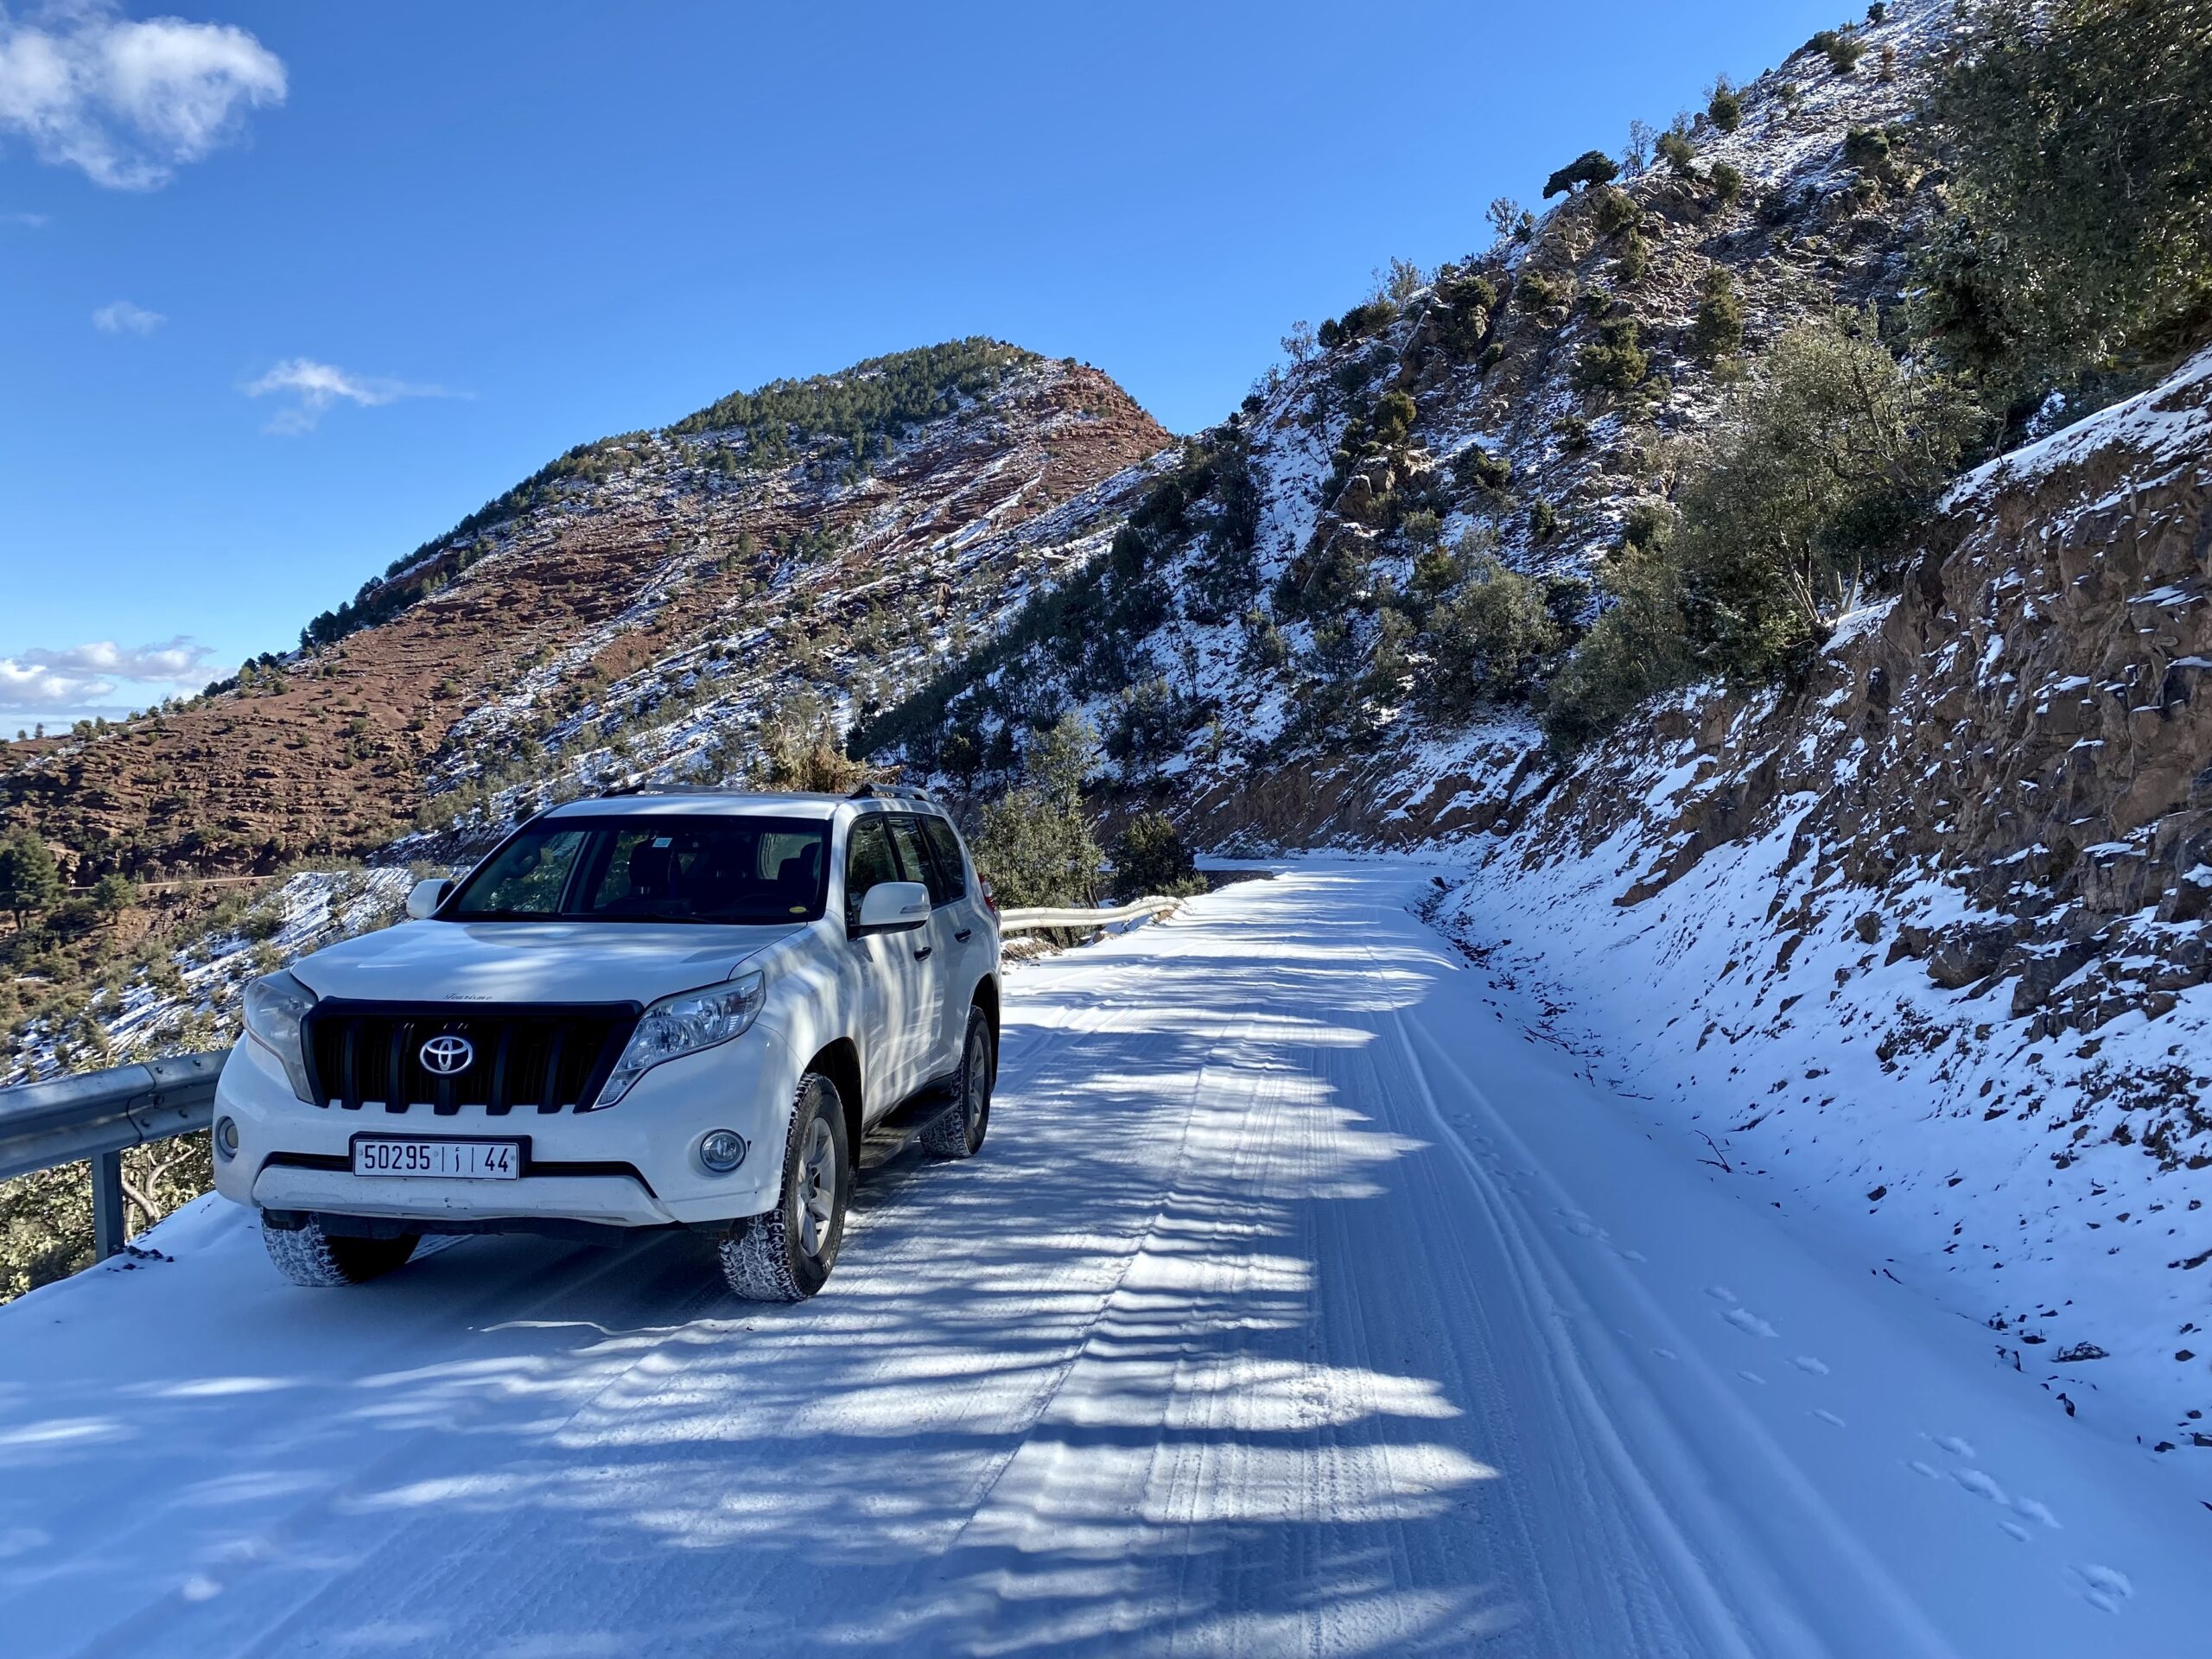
1299	1303
1286	683
713	562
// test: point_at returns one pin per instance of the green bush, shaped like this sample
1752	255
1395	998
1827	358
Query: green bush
1727	181
1486	636
1868	149
1633	651
1151	861
1393	420
1613	210
1482	468
1675	149
1815	474
1543	520
1726	109
1592	167
1615	361
1462	316
1150	723
1572	433
1718	328
2079	138
1537	292
1807	489
1036	845
1842	49
1635	261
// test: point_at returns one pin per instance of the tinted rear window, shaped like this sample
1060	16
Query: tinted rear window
950	881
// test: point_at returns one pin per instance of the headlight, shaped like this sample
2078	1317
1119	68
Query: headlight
274	1005
681	1024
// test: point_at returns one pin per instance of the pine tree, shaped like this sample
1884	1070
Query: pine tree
31	881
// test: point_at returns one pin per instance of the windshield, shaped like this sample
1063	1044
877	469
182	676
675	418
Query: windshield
637	867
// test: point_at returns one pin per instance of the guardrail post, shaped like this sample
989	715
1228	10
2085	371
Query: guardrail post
107	1204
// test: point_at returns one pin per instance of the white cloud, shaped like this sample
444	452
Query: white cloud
129	102
315	386
24	686
26	221
79	679
171	659
123	318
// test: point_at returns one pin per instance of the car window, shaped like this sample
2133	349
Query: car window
913	857
951	880
525	877
693	868
868	861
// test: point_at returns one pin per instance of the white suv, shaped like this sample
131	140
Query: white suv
665	1009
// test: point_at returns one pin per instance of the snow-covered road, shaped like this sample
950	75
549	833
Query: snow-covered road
1300	1304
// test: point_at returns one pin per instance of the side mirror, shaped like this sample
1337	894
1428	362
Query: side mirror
425	898
893	907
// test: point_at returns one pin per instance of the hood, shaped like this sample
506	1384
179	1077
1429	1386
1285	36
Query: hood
532	962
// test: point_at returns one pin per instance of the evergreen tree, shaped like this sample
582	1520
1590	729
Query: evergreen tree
31	881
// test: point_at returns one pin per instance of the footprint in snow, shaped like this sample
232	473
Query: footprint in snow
1955	1445
1979	1485
2015	1529
1929	1469
2036	1512
1720	1293
1753	1376
1632	1256
1748	1322
1807	1362
1830	1418
1664	1353
1580	1226
2103	1587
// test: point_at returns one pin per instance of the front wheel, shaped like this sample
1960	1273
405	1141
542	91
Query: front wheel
959	1132
785	1255
309	1257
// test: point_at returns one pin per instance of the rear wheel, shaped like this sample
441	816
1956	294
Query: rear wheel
959	1132
308	1256
785	1255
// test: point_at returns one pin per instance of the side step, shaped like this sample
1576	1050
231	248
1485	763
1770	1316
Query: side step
897	1129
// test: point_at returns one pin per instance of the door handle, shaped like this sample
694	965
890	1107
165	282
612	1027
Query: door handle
922	955
964	935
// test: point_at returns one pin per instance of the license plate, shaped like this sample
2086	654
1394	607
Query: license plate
462	1161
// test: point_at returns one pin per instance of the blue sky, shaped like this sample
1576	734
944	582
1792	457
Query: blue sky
291	288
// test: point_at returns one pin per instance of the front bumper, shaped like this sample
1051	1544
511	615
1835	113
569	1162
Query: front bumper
633	1164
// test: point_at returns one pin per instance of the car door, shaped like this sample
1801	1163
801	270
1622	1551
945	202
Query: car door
894	984
968	936
932	952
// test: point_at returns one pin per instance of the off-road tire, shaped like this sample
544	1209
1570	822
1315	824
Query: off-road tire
959	1132
309	1257
764	1257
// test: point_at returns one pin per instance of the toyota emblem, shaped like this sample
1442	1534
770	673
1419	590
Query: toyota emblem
448	1054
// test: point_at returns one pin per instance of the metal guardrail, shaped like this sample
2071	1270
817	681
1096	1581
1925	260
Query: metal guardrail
1020	921
96	1117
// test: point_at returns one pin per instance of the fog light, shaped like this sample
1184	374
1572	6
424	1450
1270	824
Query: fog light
227	1138
722	1150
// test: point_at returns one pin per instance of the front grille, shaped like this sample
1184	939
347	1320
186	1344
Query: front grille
538	1057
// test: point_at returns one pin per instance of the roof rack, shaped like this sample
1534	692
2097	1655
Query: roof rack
643	786
890	792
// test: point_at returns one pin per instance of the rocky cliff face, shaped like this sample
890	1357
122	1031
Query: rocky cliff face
627	613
